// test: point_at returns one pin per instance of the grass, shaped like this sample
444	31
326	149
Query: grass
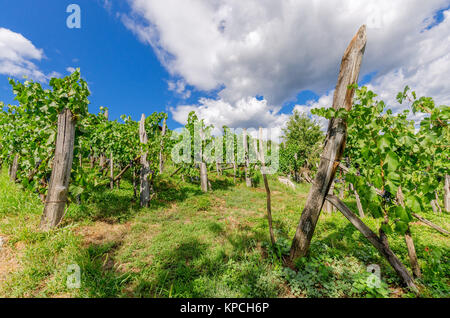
190	244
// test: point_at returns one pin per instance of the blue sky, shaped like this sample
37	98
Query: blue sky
124	73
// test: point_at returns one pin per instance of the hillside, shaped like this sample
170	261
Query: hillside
193	244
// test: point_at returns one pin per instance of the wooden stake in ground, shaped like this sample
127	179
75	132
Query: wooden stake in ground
409	241
62	166
248	181
203	169
358	201
431	224
161	158
111	172
266	185
102	161
334	145
145	166
327	206
447	193
376	241
14	168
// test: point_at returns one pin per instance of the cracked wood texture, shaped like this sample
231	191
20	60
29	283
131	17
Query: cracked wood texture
145	166
62	166
333	147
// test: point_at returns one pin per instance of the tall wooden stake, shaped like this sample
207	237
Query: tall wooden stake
266	185
111	172
14	168
248	181
447	193
409	241
161	157
145	166
62	166
334	145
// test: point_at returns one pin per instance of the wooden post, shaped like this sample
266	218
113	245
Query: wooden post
111	172
102	161
333	147
14	168
447	193
266	186
161	157
358	201
248	181
203	169
376	241
409	241
145	166
430	224
62	166
327	206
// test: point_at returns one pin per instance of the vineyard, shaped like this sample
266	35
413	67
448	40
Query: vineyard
360	210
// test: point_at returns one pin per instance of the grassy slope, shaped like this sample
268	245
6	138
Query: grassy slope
189	244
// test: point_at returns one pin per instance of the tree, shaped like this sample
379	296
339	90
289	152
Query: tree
302	138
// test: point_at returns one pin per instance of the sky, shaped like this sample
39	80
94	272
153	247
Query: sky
243	64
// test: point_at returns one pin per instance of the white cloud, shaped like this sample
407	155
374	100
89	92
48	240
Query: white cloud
276	49
70	69
179	87
246	113
16	54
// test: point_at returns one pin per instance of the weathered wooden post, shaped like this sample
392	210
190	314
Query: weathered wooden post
62	166
358	201
111	171
203	169
327	206
145	166
248	181
333	147
447	193
409	240
14	168
161	157
102	161
266	185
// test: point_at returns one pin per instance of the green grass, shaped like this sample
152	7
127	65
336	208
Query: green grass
190	244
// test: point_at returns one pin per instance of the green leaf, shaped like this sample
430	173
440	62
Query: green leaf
392	161
401	227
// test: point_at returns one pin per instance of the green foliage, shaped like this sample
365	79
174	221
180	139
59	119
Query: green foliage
390	152
301	146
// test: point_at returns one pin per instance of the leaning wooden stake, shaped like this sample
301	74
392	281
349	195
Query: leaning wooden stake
145	166
62	166
333	147
431	224
248	181
266	185
376	241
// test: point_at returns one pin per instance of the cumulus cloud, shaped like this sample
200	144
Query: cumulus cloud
277	49
179	87
17	54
